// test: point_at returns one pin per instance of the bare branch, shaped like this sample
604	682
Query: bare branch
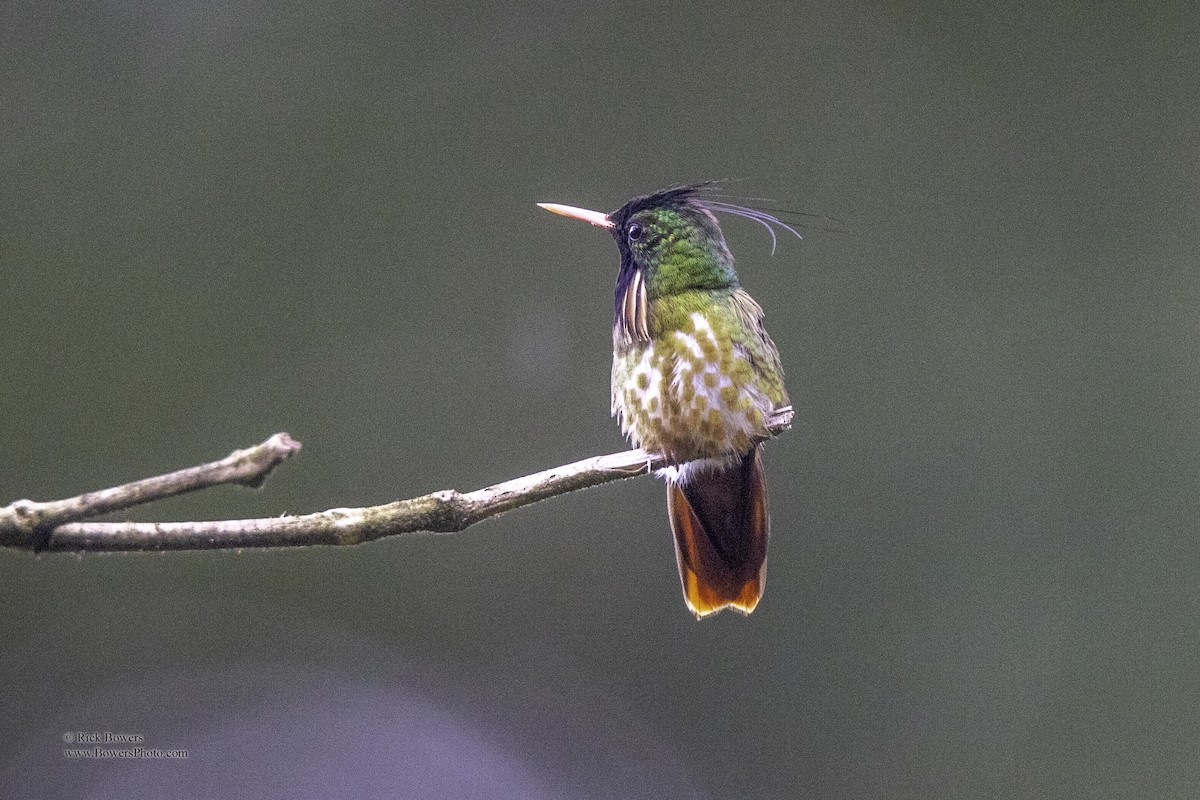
249	467
446	511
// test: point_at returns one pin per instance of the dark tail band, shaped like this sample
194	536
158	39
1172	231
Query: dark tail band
719	518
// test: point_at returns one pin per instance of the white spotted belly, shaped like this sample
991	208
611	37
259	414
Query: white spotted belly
688	395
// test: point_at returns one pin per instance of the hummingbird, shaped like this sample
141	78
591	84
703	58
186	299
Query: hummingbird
694	378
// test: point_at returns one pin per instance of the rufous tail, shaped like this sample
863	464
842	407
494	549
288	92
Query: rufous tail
719	518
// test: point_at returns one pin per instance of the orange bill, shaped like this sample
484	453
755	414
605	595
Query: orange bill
585	214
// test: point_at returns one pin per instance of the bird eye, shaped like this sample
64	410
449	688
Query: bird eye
635	231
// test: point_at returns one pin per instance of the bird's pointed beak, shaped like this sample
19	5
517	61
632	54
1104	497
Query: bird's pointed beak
594	217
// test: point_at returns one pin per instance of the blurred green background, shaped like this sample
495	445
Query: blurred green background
221	220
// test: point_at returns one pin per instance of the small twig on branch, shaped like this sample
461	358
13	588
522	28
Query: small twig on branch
52	526
248	467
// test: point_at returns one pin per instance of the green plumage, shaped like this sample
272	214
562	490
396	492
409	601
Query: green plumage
695	377
701	379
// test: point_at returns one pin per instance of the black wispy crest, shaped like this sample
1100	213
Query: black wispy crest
705	194
768	221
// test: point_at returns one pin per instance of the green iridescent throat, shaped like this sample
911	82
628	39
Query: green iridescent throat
682	250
